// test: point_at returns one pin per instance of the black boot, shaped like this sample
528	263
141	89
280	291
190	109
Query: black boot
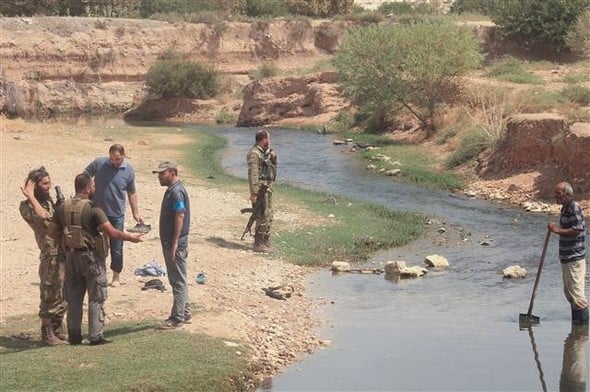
580	317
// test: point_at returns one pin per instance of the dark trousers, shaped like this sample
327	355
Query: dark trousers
85	272
116	246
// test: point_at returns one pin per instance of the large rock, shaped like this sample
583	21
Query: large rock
514	272
436	261
399	268
272	99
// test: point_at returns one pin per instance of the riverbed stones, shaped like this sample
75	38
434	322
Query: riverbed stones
436	261
514	272
399	268
393	172
340	266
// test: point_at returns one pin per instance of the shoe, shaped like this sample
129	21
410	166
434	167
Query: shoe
100	342
140	228
188	318
171	324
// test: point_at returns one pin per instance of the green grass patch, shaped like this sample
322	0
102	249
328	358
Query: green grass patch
577	94
139	359
355	229
512	70
319	66
537	99
417	167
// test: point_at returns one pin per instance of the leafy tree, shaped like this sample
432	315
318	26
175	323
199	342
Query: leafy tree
385	68
578	38
181	78
538	23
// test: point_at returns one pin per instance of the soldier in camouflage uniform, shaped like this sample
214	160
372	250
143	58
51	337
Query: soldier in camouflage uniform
37	210
262	166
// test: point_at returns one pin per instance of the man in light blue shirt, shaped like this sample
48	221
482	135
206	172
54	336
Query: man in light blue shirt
115	179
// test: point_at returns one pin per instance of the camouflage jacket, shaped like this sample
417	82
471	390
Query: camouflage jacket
261	169
40	226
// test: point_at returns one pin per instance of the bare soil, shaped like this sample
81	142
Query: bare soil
230	305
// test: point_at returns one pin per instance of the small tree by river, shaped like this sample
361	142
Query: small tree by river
386	69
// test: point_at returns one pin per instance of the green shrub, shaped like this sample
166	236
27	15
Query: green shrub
578	38
541	24
178	78
397	8
265	70
577	94
257	8
343	121
471	145
512	70
484	7
226	117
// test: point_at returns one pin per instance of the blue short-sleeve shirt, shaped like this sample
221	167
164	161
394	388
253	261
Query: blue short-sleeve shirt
175	200
112	185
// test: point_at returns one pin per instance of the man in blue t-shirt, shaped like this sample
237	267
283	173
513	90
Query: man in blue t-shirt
115	179
174	229
572	252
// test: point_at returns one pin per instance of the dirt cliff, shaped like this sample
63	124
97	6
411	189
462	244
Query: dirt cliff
56	66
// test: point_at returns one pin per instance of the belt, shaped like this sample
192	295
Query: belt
78	250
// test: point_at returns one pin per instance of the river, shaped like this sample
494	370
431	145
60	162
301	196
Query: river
452	330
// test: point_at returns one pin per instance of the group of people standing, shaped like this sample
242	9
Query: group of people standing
75	236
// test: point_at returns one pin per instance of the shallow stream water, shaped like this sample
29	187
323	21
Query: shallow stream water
452	330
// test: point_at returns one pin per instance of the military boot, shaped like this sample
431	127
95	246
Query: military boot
47	335
259	245
266	240
58	330
580	317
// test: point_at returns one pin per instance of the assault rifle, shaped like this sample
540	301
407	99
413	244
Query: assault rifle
255	210
59	196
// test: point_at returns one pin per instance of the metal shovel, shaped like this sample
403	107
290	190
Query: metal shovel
526	320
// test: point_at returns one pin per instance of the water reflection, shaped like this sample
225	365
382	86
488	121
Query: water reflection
537	360
574	368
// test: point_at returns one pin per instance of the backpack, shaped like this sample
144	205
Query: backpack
75	237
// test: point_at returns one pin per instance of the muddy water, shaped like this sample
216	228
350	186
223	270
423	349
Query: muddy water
452	330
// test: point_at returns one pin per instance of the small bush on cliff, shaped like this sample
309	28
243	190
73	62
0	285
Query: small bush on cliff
385	69
265	70
188	79
470	146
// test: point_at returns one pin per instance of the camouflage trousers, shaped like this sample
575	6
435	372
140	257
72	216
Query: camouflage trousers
265	215
51	287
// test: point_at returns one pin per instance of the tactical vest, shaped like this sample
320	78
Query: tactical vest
75	237
268	171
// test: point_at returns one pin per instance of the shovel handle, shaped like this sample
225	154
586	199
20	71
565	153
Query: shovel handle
539	273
